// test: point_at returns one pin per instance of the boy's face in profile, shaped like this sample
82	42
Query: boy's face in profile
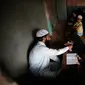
79	20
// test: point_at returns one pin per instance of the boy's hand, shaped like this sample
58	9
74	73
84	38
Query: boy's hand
70	47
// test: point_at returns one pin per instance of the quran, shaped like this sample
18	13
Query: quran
71	58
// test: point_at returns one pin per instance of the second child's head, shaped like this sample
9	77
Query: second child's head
79	18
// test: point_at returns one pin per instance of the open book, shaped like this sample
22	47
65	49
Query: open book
71	58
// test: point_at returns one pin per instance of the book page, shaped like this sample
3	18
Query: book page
71	58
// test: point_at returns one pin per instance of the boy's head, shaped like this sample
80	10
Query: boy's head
79	18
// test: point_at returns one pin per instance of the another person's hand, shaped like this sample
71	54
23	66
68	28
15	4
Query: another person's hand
77	62
79	58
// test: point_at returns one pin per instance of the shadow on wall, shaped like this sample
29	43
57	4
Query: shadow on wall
32	44
3	71
3	68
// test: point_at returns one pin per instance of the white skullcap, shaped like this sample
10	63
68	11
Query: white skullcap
79	16
41	33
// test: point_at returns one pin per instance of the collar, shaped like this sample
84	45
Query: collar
41	43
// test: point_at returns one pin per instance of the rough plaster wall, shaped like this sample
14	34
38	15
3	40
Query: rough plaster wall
18	19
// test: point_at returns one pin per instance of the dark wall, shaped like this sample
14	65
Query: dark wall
74	5
71	9
18	19
61	9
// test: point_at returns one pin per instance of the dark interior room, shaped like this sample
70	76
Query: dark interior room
20	21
